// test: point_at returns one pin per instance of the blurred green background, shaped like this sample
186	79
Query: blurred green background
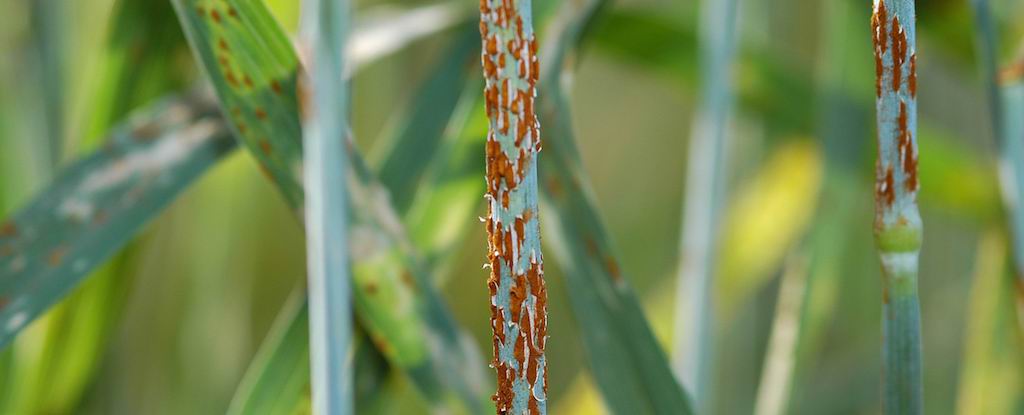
169	326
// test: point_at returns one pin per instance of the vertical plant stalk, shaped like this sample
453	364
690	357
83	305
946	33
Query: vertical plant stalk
704	193
518	292
325	127
898	231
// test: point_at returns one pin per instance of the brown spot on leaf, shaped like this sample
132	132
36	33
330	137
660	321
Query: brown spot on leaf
408	280
101	217
265	147
8	230
260	113
215	15
55	256
146	132
276	87
613	269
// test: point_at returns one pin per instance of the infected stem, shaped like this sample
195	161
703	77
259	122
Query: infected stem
518	292
898	230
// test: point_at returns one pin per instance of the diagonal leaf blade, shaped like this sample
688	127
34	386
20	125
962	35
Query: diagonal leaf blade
446	368
629	366
97	204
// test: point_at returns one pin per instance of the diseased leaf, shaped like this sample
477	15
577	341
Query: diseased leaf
97	204
393	293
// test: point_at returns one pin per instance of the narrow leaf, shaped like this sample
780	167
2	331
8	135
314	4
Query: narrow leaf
97	204
325	28
386	271
280	384
626	360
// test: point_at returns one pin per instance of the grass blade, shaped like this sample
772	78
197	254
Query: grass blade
97	204
628	365
324	28
418	137
48	26
989	383
704	194
517	287
386	271
1011	95
279	386
897	221
1006	101
448	197
773	391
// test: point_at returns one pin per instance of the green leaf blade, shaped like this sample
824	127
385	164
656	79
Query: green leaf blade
97	204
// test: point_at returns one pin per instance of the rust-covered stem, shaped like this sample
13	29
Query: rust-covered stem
897	221
518	293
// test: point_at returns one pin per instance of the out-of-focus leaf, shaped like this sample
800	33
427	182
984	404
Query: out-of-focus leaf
238	40
767	216
704	194
98	203
448	196
49	26
78	328
628	365
279	380
413	147
989	383
381	32
137	65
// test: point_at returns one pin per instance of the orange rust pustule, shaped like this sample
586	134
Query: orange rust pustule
265	147
216	16
905	148
276	87
879	39
899	53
